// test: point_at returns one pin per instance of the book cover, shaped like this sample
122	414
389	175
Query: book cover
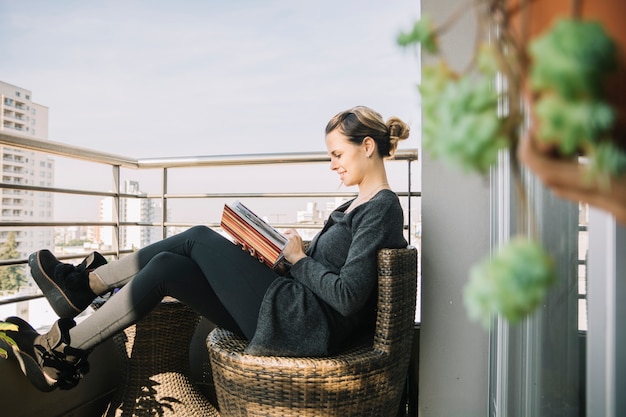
249	229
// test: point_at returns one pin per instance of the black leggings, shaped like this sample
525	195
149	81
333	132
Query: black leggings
199	267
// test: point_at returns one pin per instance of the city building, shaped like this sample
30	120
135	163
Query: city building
20	115
139	211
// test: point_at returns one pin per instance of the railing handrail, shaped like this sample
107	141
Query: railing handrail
63	149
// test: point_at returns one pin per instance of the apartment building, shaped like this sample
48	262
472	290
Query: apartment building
20	115
139	211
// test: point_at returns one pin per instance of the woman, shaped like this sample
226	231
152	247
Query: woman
326	297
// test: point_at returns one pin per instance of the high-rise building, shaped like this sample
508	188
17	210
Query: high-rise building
131	210
20	115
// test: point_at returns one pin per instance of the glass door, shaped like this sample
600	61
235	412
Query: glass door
535	365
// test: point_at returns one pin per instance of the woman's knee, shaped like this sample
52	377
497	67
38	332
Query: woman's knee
199	232
170	263
205	236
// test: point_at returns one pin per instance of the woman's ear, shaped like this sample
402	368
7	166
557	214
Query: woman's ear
369	146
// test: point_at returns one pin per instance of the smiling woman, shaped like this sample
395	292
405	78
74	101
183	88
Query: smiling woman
316	305
358	140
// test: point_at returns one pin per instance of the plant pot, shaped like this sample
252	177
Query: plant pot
610	13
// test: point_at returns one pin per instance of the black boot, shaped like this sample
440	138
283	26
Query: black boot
47	359
65	286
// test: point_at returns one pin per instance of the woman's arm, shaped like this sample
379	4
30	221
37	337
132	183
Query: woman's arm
346	289
344	271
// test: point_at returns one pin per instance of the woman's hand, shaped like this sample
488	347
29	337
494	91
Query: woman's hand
294	250
567	179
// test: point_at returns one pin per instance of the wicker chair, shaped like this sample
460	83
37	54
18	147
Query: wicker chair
364	381
155	366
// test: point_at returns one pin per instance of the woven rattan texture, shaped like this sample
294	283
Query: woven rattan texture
155	370
366	381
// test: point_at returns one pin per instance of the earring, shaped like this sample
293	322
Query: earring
369	156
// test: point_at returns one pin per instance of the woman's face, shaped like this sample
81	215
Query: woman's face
346	158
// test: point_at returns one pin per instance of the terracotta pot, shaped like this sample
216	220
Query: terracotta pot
612	15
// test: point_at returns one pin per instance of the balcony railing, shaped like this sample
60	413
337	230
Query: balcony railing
163	167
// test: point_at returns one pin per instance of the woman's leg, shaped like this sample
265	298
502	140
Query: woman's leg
199	267
70	289
166	274
238	279
118	273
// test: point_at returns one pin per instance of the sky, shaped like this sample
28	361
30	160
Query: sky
189	77
162	78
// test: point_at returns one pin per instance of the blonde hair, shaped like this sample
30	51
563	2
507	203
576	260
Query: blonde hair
360	122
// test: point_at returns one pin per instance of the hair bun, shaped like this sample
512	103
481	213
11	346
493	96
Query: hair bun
398	130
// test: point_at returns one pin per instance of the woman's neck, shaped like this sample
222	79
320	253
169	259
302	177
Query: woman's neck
367	192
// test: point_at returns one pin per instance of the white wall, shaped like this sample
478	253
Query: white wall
455	217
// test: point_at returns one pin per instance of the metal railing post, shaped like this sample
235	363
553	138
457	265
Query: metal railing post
116	210
164	203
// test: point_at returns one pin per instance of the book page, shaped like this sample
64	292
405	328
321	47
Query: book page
259	224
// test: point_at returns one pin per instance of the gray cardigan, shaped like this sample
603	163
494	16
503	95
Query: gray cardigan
329	297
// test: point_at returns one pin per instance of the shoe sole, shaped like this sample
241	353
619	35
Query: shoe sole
29	366
61	305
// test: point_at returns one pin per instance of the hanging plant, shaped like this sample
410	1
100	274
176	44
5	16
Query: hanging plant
569	65
468	119
512	283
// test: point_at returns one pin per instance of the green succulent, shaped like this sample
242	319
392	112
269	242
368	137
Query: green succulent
461	125
572	58
422	33
511	283
570	63
606	159
572	125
